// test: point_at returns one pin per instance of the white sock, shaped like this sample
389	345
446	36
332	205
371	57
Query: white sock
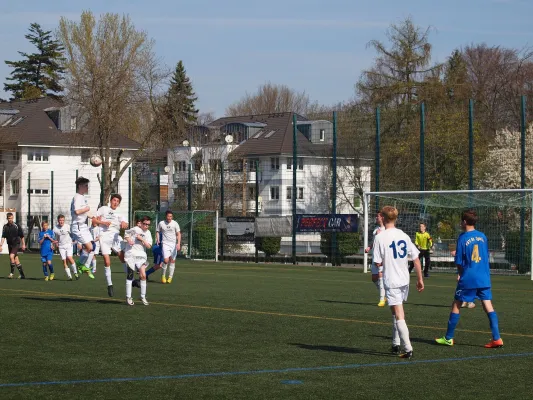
107	271
89	259
164	272
381	289
67	271
93	262
83	257
171	270
395	334
74	268
404	334
128	288
143	288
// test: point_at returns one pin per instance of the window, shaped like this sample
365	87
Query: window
214	165
15	155
274	163
38	155
274	192
1	157
300	164
180	166
15	187
85	155
322	134
73	123
40	187
299	191
1	187
251	192
252	164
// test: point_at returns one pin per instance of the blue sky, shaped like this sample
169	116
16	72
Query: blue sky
230	47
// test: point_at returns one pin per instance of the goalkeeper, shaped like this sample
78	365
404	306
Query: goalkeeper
424	243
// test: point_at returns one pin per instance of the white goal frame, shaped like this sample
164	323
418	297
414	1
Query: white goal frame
366	202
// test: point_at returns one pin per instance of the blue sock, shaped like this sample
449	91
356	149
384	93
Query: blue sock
452	323
493	320
45	270
150	271
51	268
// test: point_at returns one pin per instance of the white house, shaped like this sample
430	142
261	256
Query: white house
41	156
266	141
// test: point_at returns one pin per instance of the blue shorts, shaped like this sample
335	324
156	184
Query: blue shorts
469	295
46	257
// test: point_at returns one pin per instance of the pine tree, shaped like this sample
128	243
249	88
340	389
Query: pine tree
181	110
37	73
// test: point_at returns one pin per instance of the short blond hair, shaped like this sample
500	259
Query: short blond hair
389	213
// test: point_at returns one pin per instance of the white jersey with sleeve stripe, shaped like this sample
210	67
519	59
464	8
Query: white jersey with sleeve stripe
169	231
78	202
63	235
108	214
392	249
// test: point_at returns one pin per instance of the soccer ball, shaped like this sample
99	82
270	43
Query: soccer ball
96	160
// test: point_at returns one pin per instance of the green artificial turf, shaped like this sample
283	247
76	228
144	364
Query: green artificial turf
304	332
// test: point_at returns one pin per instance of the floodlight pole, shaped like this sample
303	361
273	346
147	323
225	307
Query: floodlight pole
366	198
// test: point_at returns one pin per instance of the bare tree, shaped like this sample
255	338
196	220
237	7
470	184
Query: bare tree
113	80
270	98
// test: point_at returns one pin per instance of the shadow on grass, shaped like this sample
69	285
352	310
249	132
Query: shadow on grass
71	300
25	279
349	302
375	304
341	349
426	341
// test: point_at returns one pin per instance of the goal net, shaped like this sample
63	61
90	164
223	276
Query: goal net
504	217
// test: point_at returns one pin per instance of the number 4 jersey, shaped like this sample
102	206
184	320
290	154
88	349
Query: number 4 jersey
472	254
393	248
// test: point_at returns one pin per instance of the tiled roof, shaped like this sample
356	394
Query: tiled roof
37	129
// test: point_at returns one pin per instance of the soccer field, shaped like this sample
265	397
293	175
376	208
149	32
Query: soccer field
247	331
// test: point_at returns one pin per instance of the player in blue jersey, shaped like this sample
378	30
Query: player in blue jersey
472	260
46	241
157	252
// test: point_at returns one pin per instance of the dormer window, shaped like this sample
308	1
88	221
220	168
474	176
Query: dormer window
73	123
322	134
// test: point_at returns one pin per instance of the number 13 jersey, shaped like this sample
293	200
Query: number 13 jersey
393	248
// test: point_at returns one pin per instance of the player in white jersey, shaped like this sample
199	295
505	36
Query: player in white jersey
391	251
377	272
95	232
79	211
65	246
170	232
137	239
110	222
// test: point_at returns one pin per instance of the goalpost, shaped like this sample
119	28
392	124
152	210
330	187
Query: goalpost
505	217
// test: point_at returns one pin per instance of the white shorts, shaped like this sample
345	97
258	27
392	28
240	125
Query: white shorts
65	252
97	247
136	262
396	296
110	242
81	233
376	270
169	251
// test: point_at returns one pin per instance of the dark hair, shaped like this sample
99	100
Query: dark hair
169	212
423	223
145	218
60	216
116	196
470	217
81	181
9	215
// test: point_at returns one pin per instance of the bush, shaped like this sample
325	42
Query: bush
347	244
512	250
268	245
203	241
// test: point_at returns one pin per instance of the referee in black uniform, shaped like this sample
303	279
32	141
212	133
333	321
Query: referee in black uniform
15	237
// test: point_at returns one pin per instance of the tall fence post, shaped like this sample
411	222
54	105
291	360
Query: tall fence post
471	144
130	197
158	189
102	185
222	210
334	190
422	139
256	205
294	165
28	218
52	197
190	214
523	177
378	152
